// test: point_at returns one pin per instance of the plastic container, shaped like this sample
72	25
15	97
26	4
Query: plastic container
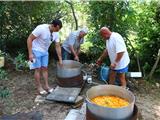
104	75
30	63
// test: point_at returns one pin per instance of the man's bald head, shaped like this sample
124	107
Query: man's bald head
104	29
105	32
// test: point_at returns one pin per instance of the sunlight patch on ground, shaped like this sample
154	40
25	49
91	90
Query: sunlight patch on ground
157	110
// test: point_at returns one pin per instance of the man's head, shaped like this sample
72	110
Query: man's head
105	33
56	25
83	32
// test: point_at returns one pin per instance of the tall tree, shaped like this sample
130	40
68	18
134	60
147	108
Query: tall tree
73	11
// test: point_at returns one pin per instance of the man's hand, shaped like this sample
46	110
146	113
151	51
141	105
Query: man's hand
60	63
99	62
29	45
31	56
103	55
113	65
76	58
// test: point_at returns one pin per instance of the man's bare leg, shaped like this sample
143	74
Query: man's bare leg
122	79
37	78
45	77
112	76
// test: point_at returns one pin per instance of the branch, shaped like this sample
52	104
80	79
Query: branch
154	66
70	3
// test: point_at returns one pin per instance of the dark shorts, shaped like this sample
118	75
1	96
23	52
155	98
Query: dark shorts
66	55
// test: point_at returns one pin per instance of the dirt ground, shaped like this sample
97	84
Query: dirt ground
23	94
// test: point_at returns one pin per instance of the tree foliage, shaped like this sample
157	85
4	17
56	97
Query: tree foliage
117	15
19	18
148	33
137	21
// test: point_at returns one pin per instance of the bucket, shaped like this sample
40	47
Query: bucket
104	75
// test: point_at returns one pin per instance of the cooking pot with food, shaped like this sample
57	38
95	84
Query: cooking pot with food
110	112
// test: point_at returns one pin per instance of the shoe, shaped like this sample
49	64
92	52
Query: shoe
50	90
42	91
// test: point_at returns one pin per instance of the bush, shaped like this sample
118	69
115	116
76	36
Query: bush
3	75
4	91
21	62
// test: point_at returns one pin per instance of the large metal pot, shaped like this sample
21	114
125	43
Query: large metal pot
69	69
106	113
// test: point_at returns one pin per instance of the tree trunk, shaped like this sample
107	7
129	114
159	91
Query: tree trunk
154	66
137	58
70	3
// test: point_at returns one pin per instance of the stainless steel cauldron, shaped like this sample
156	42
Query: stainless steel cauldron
106	113
69	69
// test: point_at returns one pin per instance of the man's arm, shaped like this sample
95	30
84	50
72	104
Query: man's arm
74	53
78	51
118	58
29	45
58	49
71	40
103	55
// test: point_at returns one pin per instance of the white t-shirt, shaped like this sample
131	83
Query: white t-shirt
115	45
43	40
72	40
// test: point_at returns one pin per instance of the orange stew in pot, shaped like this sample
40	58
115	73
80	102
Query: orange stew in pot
110	101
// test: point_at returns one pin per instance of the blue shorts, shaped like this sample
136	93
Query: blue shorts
41	59
123	70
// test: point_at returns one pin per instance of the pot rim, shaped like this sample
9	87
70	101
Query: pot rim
80	64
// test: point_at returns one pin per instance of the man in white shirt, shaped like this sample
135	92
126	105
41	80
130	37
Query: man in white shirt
118	55
71	46
38	43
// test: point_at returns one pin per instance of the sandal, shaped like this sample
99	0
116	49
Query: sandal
42	91
50	90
